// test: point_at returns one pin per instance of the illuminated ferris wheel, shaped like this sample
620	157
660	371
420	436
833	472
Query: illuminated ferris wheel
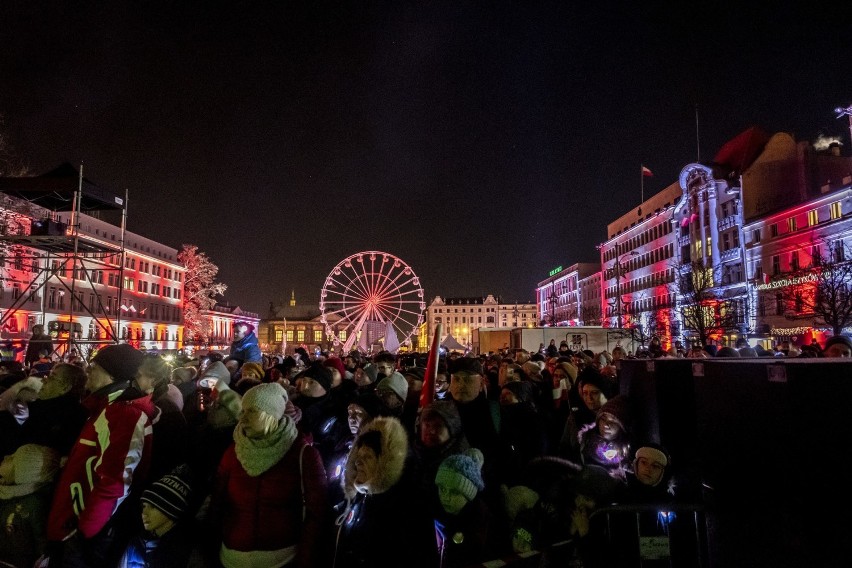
374	295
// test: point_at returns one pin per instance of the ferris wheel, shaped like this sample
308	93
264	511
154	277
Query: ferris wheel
374	295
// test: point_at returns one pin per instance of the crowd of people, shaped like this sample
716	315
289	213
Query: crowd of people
251	460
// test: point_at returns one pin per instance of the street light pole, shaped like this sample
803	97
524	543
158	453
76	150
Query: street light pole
846	111
618	274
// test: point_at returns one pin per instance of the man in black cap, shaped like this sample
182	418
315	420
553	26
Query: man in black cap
109	460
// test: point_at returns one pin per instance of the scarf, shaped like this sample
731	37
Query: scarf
257	455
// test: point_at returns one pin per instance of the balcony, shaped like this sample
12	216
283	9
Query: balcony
730	254
683	241
728	222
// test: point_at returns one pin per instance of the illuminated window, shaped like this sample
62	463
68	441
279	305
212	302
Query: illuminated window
791	224
289	335
836	210
279	335
317	335
342	335
773	230
813	217
300	335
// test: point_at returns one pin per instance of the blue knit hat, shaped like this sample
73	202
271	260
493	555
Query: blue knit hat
462	472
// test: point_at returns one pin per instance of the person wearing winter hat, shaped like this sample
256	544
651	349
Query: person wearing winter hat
166	538
270	493
838	346
387	521
245	346
15	412
606	442
117	436
393	391
26	485
324	415
462	521
593	390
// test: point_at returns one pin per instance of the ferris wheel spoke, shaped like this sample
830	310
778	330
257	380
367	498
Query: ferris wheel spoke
389	282
355	312
346	286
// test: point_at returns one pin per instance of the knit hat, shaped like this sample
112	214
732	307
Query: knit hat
169	494
120	361
462	472
217	370
252	367
447	411
617	407
270	398
653	453
569	370
417	372
395	383
35	464
336	363
370	403
466	365
838	340
318	372
371	371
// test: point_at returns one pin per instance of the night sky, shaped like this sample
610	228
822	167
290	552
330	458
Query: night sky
482	143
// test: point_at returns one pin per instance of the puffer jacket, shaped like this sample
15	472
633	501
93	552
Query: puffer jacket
110	458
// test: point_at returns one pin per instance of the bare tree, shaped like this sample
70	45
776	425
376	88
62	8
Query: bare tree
200	291
822	290
704	309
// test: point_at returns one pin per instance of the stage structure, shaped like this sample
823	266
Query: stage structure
52	248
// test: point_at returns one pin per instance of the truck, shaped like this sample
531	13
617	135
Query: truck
594	338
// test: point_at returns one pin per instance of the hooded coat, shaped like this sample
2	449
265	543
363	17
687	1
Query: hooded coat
389	524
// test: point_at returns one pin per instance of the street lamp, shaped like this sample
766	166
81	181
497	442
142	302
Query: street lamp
554	299
846	111
619	272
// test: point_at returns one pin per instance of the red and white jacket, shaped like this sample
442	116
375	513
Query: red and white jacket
110	456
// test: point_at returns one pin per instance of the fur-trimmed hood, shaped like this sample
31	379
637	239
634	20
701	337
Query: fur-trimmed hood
391	461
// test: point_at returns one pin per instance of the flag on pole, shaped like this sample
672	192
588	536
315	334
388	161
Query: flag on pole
427	395
646	172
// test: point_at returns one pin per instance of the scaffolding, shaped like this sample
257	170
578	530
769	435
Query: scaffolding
65	250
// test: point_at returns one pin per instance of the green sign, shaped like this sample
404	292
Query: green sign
556	270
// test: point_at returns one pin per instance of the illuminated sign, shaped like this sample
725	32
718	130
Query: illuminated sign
556	270
784	282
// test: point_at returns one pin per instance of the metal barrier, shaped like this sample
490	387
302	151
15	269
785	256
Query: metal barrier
658	534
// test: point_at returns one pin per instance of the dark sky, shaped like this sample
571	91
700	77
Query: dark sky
482	143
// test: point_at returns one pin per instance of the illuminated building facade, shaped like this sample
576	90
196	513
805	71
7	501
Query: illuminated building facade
559	301
460	316
288	326
220	321
100	298
790	239
639	266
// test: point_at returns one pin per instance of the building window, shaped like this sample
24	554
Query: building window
776	265
794	260
289	335
816	255
839	253
813	217
317	335
726	241
836	210
755	236
300	335
342	335
279	335
791	224
773	230
779	304
758	271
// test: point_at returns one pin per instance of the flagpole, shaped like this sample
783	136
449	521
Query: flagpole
642	183
427	395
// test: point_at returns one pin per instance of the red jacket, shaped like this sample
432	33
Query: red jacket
110	456
265	512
